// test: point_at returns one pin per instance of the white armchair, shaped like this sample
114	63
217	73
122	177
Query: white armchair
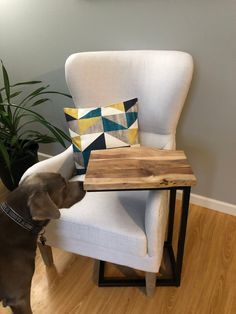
126	228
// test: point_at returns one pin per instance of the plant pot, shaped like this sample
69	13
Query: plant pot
18	167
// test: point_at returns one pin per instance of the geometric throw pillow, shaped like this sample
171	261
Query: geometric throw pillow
93	128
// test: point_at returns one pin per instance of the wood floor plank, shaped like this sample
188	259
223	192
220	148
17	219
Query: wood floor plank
208	281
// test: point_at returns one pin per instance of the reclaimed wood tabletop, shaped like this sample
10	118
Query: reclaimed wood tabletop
137	168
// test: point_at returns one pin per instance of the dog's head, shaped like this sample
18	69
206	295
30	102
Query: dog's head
45	193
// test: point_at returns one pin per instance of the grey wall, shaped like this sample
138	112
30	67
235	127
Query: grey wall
36	37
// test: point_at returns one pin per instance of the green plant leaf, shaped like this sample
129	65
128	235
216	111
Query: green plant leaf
1	100
53	131
6	82
33	94
63	134
15	94
6	119
14	140
2	108
40	101
22	83
40	119
6	158
26	83
54	92
30	97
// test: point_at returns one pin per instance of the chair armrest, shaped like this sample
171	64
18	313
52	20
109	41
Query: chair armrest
62	163
156	218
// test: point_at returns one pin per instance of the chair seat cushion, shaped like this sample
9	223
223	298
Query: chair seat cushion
113	220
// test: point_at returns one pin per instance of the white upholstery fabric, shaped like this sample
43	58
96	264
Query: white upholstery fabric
117	224
159	79
125	228
62	163
116	221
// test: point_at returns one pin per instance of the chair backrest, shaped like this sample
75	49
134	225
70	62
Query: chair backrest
159	79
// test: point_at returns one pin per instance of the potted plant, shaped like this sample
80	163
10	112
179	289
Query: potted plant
18	140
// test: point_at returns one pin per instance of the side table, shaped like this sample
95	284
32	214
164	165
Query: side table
145	168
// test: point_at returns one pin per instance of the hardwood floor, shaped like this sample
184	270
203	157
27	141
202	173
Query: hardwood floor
208	279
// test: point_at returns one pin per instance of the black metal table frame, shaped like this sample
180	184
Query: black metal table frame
176	262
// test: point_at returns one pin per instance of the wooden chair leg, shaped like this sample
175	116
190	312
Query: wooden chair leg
150	283
46	253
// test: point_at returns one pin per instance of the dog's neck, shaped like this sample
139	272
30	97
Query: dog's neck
18	202
18	219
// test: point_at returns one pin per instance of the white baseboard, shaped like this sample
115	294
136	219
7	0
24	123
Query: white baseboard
196	199
213	204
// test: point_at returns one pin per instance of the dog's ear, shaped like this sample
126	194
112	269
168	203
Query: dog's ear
42	207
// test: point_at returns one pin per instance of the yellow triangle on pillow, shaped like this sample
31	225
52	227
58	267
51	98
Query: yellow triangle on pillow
132	136
84	124
73	112
119	106
77	142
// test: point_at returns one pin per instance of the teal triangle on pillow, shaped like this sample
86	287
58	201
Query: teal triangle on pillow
109	125
131	118
92	114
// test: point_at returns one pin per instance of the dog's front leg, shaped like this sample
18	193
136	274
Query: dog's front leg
46	253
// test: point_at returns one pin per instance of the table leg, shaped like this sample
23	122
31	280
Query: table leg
182	232
171	215
176	262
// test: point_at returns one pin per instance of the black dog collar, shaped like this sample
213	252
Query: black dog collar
24	223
